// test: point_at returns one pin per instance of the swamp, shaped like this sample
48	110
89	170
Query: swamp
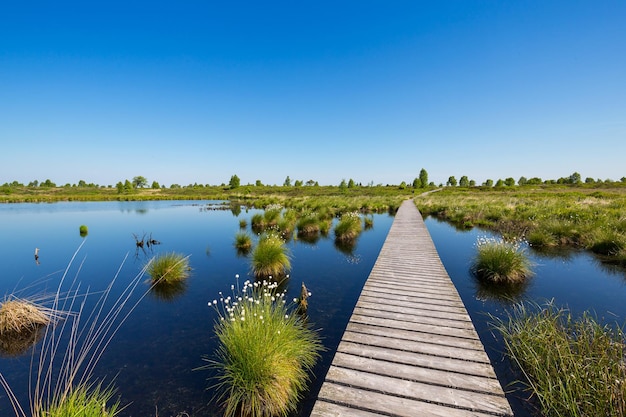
153	359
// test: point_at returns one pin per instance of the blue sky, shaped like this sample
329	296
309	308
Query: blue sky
196	91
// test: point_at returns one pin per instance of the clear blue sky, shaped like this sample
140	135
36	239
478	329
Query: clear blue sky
196	91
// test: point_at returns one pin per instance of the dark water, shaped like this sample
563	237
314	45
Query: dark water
574	280
155	352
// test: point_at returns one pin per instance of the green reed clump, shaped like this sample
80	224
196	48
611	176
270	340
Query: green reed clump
85	401
270	257
349	227
243	241
265	353
168	268
497	260
574	367
308	224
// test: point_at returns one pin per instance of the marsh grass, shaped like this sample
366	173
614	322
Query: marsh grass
265	353
500	261
349	227
168	268
22	324
547	217
61	381
270	257
243	241
20	314
572	366
86	401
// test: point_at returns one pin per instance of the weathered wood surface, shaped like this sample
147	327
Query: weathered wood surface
410	348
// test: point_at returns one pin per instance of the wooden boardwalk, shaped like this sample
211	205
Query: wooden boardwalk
410	348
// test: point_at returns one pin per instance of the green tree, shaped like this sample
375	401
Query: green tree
423	177
343	184
128	186
139	181
258	183
287	182
234	182
310	183
509	182
48	183
82	183
417	183
155	185
298	183
574	178
451	181
464	181
120	187
522	181
350	183
488	183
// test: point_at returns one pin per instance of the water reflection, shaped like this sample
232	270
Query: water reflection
13	343
502	292
168	291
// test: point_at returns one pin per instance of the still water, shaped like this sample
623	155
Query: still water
573	280
153	356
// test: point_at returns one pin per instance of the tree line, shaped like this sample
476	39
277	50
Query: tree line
421	181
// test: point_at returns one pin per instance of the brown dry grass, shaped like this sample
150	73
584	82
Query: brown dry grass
18	315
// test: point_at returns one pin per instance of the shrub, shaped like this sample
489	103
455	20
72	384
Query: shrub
270	257
498	260
83	230
574	367
168	268
265	353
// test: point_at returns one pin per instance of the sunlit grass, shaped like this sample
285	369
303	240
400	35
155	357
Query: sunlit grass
349	227
497	260
573	367
270	257
168	267
265	353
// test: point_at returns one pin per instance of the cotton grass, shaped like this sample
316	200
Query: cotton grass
265	352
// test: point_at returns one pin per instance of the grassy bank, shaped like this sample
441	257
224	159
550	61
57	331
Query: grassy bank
550	217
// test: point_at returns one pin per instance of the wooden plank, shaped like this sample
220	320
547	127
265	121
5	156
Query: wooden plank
416	342
410	348
384	350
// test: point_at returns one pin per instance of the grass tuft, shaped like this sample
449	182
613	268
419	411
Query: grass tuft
270	257
168	268
498	261
21	315
573	367
349	227
265	353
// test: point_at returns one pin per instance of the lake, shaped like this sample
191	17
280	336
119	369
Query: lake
153	356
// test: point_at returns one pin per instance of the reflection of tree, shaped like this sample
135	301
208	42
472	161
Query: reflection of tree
235	208
168	291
